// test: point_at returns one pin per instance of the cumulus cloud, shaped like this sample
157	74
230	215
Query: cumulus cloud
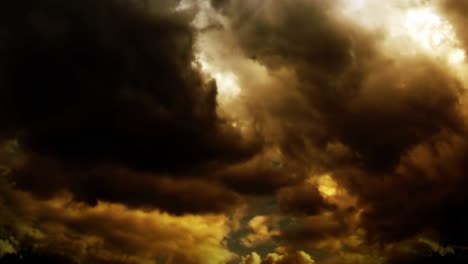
398	117
110	233
263	229
280	257
135	131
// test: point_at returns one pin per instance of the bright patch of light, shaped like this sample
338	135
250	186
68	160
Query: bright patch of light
228	86
427	28
227	82
327	186
457	57
410	26
184	5
434	34
207	56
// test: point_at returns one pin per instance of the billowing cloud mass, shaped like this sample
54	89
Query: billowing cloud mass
233	132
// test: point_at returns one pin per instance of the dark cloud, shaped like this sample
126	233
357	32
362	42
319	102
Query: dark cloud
303	199
135	189
397	119
89	85
312	229
104	101
106	82
26	257
425	195
347	81
263	175
397	108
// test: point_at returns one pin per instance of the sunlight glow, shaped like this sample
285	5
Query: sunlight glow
434	34
227	82
427	28
327	186
412	27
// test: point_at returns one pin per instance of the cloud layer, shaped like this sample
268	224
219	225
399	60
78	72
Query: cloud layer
203	131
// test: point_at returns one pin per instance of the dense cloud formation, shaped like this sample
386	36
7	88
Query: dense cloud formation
348	81
102	100
91	89
455	11
107	233
201	131
399	118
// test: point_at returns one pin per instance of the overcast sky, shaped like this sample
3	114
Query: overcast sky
234	131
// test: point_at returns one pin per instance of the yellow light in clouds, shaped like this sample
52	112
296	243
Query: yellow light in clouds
434	34
226	81
428	28
327	186
410	27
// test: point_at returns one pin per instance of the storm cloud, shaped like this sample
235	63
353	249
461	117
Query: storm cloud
202	131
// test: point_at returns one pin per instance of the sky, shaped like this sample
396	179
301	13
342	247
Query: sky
234	131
